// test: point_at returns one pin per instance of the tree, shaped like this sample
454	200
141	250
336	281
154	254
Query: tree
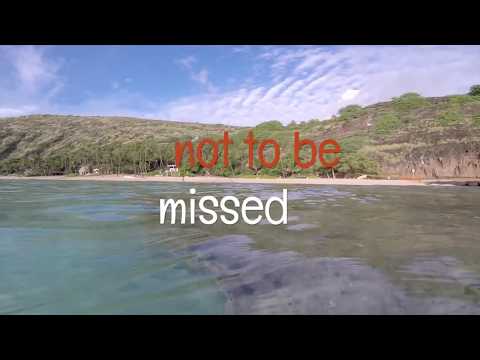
474	90
350	112
292	124
408	101
270	125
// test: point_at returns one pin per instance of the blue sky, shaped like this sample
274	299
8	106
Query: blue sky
241	85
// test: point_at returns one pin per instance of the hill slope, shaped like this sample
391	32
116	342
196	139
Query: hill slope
46	144
408	136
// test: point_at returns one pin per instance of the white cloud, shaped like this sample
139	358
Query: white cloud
33	80
119	103
253	97
285	83
201	76
350	94
6	112
123	83
241	49
187	62
32	68
315	82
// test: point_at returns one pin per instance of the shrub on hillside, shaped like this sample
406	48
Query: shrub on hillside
270	125
353	143
474	90
350	112
408	101
450	117
387	123
355	164
476	120
461	100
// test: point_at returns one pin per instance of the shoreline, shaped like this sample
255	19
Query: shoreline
225	180
240	180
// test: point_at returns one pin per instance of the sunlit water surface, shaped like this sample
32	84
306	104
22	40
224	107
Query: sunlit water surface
98	248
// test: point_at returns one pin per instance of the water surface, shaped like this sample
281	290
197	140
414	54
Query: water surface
98	248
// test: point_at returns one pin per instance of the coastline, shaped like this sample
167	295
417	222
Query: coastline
223	180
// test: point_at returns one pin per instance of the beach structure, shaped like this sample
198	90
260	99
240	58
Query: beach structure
172	169
84	170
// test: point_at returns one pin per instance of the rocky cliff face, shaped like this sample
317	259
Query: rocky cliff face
447	160
423	137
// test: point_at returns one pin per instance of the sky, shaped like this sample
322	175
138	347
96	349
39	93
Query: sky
236	85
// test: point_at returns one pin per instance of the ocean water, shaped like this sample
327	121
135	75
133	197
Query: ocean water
69	247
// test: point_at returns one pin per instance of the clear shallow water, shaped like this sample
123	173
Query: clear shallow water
95	247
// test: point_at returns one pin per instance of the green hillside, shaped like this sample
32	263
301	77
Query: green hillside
408	136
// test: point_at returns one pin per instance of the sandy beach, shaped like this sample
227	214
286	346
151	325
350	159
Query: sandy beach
213	179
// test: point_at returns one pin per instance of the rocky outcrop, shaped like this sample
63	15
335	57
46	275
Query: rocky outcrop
445	161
